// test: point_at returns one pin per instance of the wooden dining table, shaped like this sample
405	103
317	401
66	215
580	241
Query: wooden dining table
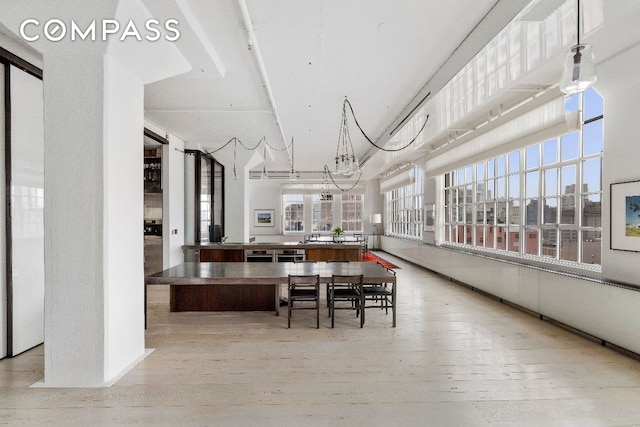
227	282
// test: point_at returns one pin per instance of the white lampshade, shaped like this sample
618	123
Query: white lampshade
375	218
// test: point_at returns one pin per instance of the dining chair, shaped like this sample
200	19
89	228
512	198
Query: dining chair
362	239
346	288
330	261
303	288
379	295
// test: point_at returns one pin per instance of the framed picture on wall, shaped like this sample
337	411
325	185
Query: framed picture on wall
263	218
625	216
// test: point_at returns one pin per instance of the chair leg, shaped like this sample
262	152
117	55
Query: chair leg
332	310
318	311
289	305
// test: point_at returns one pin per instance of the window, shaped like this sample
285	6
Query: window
322	212
550	191
293	208
404	211
352	212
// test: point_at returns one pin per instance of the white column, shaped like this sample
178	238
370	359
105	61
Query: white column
93	117
94	320
94	275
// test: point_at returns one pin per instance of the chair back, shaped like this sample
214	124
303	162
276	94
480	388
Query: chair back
302	279
351	279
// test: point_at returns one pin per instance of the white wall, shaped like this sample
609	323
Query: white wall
373	204
620	87
236	220
265	195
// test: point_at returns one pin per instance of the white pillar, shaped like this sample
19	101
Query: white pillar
93	117
94	298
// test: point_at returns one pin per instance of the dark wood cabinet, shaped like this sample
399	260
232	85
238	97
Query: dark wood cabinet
333	254
247	297
221	255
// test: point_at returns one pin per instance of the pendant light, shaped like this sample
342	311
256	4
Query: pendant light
235	171
292	175
264	175
579	66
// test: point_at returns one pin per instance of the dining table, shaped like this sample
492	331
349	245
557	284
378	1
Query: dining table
241	286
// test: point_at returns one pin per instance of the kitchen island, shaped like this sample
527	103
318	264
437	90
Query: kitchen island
273	252
249	295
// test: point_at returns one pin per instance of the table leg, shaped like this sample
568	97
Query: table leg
393	300
277	299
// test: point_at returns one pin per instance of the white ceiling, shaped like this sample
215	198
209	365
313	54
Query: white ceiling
379	53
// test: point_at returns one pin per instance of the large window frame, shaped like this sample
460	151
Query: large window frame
351	208
322	213
293	209
404	208
542	201
315	213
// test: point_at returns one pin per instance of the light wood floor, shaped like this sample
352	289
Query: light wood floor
457	358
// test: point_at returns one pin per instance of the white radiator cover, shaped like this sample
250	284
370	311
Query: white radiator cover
607	312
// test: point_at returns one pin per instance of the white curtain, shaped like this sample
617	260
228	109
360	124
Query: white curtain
544	122
397	180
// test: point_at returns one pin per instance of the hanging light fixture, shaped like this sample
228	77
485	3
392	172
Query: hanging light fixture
292	175
235	171
579	66
346	160
324	193
263	175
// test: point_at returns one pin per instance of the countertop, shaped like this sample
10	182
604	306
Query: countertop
273	245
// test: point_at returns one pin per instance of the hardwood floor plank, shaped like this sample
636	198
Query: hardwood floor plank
456	358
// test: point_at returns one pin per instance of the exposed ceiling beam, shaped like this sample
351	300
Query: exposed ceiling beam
197	29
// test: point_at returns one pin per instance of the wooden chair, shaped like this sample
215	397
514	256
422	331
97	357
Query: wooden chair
346	288
363	240
303	288
379	295
328	261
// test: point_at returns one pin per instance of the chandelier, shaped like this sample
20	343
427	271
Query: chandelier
346	161
324	193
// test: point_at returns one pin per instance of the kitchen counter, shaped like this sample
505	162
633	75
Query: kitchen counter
271	245
273	252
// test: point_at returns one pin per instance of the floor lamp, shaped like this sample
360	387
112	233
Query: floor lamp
376	219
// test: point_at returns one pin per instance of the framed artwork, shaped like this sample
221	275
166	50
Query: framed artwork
625	216
263	218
